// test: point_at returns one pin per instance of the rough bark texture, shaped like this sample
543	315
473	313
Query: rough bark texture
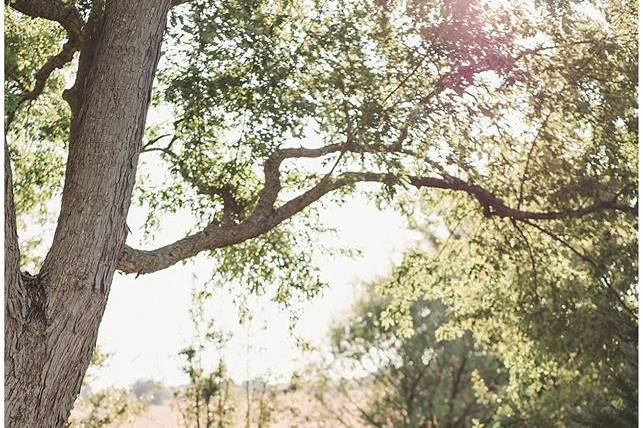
52	319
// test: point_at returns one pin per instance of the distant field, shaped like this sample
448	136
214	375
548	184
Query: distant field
163	416
293	410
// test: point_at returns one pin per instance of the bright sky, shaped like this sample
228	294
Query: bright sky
147	320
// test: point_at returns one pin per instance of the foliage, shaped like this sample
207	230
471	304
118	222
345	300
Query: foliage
557	303
486	90
39	131
533	101
417	381
107	406
207	400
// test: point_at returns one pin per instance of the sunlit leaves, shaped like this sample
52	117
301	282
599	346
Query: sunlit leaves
37	136
555	301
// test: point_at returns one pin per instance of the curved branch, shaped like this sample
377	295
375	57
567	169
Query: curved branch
272	183
264	218
65	14
70	19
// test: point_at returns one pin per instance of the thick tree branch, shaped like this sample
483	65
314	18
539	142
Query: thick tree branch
265	217
71	20
59	11
272	183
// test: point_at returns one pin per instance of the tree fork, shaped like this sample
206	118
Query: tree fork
52	319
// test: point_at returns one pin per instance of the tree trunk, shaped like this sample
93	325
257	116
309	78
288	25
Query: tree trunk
52	319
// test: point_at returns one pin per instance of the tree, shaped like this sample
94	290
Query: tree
556	304
206	401
529	110
414	381
153	391
107	407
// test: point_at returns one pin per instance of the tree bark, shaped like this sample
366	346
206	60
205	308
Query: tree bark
52	318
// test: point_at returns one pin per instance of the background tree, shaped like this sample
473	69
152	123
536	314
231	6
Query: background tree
263	401
207	400
154	391
529	110
557	305
414	381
